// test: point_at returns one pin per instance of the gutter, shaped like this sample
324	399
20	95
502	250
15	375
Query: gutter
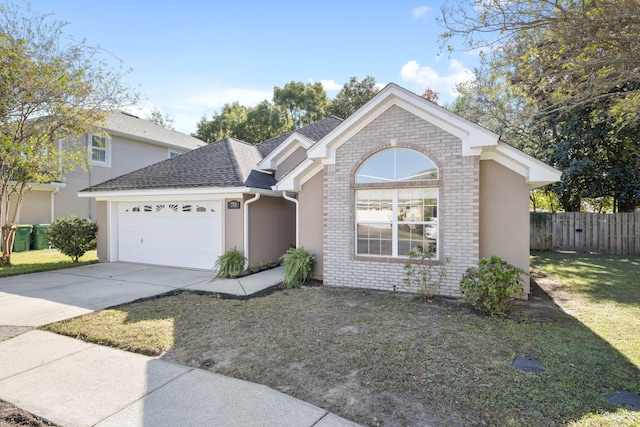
246	228
297	203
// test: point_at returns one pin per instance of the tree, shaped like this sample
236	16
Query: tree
160	119
570	85
431	95
303	104
588	49
51	88
226	123
353	95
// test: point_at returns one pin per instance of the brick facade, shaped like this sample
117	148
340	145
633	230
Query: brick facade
458	209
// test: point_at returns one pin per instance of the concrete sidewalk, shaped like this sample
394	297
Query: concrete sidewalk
73	383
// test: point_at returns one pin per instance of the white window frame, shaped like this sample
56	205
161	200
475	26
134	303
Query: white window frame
395	223
174	153
106	150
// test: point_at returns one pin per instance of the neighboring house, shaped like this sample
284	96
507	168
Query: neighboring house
400	173
130	143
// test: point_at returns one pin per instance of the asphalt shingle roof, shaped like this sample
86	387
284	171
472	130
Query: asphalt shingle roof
224	163
315	132
124	123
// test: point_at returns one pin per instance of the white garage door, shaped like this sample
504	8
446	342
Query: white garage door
181	234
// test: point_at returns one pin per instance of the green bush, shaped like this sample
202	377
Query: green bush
229	264
299	266
73	236
493	286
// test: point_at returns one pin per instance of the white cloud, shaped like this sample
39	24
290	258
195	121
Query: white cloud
330	85
426	77
420	11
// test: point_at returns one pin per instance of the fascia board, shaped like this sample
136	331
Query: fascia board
299	175
184	193
536	173
472	136
153	141
49	186
284	150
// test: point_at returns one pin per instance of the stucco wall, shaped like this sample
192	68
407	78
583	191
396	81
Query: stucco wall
293	160
126	156
457	212
311	219
233	226
103	231
271	229
36	206
504	215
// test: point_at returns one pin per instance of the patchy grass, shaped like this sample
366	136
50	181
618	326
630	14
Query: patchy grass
43	260
382	360
601	291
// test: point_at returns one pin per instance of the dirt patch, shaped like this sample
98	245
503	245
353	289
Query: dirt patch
11	416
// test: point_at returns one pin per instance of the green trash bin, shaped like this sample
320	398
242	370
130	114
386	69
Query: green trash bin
40	236
22	240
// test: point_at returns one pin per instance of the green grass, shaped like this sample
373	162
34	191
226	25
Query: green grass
378	359
604	295
43	260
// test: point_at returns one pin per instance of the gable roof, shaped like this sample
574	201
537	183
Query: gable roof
121	123
224	163
314	131
475	140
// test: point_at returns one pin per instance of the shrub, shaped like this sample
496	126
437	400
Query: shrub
493	286
229	264
424	273
73	236
299	266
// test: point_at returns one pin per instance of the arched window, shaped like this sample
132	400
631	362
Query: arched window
393	219
396	165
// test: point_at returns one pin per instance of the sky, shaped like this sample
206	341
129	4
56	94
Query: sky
190	57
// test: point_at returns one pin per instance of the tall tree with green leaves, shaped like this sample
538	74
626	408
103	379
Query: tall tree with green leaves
574	81
353	95
303	103
226	123
51	88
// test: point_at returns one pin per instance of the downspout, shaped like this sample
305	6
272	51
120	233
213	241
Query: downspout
297	203
53	205
246	228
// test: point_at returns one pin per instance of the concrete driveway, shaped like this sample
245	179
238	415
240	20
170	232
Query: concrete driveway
41	298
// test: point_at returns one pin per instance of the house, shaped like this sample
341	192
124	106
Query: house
401	173
129	143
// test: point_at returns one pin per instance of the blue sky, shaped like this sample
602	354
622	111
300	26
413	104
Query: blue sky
189	57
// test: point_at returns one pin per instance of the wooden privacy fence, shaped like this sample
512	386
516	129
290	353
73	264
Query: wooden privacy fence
586	232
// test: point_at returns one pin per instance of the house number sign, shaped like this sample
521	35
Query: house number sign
233	204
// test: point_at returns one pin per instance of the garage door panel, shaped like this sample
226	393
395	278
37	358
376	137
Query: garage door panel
152	234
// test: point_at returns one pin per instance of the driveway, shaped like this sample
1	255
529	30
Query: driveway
41	298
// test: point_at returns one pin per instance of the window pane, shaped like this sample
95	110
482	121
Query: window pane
417	205
374	205
398	164
98	141
374	239
417	237
98	155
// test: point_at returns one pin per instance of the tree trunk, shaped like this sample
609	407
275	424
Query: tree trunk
8	236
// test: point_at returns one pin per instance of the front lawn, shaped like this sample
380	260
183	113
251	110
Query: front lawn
384	360
43	260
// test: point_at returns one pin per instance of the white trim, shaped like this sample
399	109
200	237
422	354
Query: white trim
106	149
302	173
153	141
535	172
200	193
297	203
246	228
284	150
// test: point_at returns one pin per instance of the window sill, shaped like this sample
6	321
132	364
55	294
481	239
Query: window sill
394	260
